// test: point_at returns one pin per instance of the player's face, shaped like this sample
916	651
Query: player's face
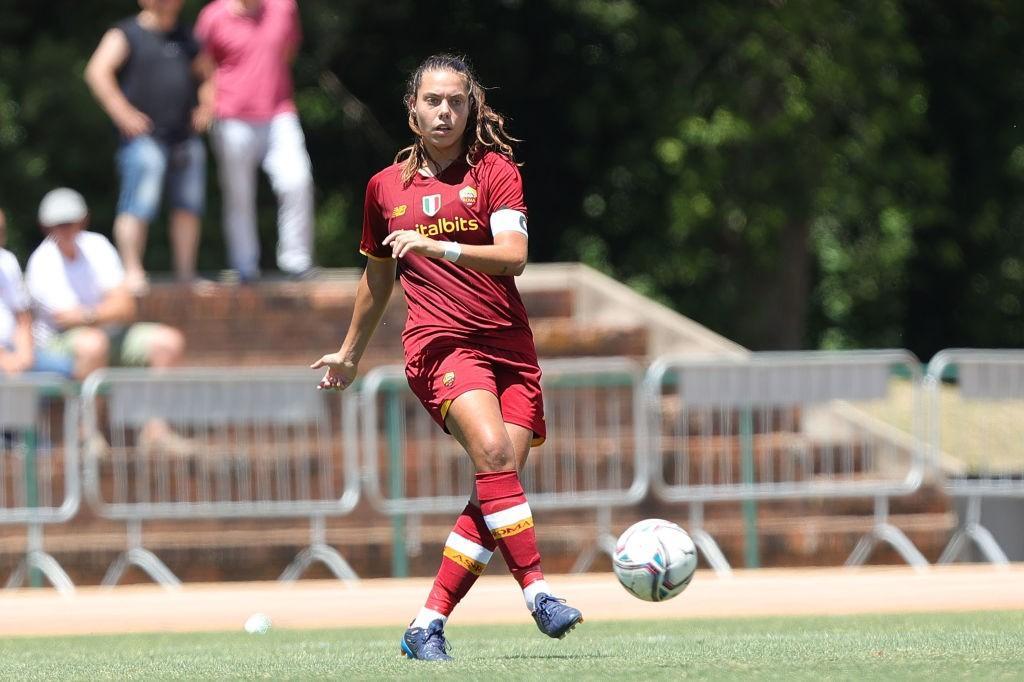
442	109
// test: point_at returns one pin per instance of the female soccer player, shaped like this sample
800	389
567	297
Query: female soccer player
449	215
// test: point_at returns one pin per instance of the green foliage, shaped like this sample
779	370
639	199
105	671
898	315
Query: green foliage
793	174
789	168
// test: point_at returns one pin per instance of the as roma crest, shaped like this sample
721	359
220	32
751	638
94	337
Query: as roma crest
432	204
448	379
468	195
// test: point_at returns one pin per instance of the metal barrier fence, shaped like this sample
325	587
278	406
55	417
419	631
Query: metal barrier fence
593	457
223	443
39	481
775	426
218	444
976	399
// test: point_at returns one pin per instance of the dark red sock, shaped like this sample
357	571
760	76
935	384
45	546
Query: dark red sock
508	517
466	553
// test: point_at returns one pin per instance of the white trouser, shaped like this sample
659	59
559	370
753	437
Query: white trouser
280	148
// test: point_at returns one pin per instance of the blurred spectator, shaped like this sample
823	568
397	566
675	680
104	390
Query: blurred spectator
83	309
85	312
16	352
250	44
146	76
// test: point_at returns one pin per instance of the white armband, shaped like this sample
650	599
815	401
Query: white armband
507	220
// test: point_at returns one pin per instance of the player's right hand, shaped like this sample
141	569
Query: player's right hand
339	375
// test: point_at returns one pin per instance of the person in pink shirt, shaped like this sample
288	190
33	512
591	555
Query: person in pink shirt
249	45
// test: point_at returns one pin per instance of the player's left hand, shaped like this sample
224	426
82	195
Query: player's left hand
405	241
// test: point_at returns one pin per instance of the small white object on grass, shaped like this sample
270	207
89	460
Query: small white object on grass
257	624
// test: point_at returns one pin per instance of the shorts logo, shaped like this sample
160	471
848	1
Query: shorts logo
432	204
399	211
448	379
468	195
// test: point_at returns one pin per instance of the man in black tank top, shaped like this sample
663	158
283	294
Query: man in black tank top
146	75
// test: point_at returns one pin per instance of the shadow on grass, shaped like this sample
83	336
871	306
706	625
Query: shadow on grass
551	657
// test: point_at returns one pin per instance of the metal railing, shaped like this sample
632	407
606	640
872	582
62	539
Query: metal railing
39	482
209	444
975	399
219	444
592	459
777	426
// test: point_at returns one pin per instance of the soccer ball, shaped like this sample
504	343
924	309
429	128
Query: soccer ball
654	559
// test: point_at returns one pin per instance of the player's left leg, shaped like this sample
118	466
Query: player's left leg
498	449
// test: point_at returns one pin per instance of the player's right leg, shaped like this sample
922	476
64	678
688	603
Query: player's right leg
467	551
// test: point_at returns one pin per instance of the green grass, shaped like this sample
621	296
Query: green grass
944	646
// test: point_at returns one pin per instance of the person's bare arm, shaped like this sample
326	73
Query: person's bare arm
372	296
101	77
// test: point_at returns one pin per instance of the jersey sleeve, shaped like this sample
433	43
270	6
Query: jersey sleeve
504	185
375	225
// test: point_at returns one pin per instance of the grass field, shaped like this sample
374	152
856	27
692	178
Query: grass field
933	646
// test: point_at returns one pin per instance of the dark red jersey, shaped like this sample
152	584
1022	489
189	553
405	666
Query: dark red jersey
448	303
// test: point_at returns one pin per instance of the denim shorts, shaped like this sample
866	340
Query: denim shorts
149	166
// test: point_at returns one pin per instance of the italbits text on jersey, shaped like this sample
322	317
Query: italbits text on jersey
446	226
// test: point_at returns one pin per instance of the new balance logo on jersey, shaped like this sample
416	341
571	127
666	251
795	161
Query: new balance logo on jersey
432	204
446	226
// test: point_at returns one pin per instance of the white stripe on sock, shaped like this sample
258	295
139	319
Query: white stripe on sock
506	517
468	547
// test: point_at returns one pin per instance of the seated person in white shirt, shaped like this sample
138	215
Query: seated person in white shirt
83	309
16	352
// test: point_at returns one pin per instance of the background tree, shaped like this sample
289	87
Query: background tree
795	173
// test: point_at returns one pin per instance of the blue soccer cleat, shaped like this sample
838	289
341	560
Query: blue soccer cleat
554	617
426	644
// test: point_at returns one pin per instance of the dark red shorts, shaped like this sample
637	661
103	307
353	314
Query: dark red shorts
440	375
